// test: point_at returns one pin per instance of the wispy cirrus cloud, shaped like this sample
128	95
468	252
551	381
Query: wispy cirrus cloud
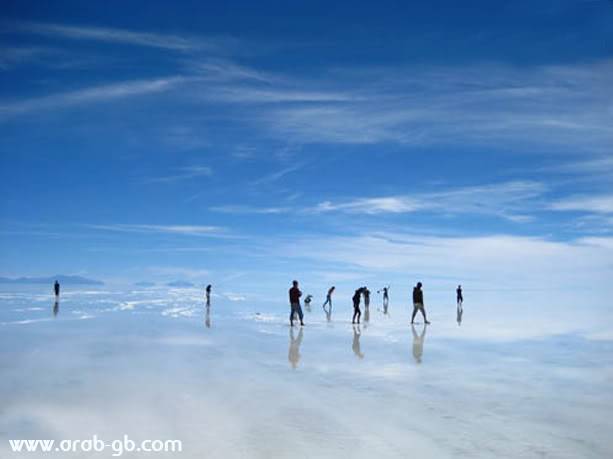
184	230
509	200
242	209
99	93
182	173
111	35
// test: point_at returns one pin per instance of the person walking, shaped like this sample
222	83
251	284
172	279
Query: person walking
294	301
418	303
56	288
459	297
357	313
329	298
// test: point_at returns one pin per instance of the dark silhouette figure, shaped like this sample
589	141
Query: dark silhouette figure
329	298
386	297
307	302
56	308
418	303
459	297
56	288
293	354
207	317
356	342
294	301
418	343
357	313
459	313
208	294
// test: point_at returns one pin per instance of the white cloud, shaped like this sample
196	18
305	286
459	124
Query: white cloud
183	173
602	204
241	209
509	200
186	230
497	260
111	35
91	94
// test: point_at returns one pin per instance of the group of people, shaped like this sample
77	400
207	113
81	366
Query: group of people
418	302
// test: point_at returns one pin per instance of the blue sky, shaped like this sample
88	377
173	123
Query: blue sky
246	144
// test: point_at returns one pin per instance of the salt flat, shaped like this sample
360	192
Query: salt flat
525	381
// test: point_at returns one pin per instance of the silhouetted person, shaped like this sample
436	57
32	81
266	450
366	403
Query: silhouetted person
307	302
208	294
459	297
418	303
357	313
56	288
386	297
293	354
294	301
459	313
418	343
207	317
329	298
356	342
56	308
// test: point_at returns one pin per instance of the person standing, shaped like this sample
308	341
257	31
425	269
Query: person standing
294	301
329	298
459	297
56	288
208	295
418	303
357	313
386	297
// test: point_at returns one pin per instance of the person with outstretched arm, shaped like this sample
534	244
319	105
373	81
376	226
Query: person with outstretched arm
418	303
294	301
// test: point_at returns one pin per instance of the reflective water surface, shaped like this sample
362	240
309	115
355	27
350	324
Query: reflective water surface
234	380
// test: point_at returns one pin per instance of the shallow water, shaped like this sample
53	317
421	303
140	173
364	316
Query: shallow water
239	382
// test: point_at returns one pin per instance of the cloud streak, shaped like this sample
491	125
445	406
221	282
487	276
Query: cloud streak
111	35
182	230
100	93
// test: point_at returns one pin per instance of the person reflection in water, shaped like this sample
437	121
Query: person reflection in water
56	289
418	343
208	295
459	313
56	308
356	342
293	354
207	317
307	302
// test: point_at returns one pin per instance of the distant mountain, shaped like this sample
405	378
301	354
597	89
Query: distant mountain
62	279
144	284
179	283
